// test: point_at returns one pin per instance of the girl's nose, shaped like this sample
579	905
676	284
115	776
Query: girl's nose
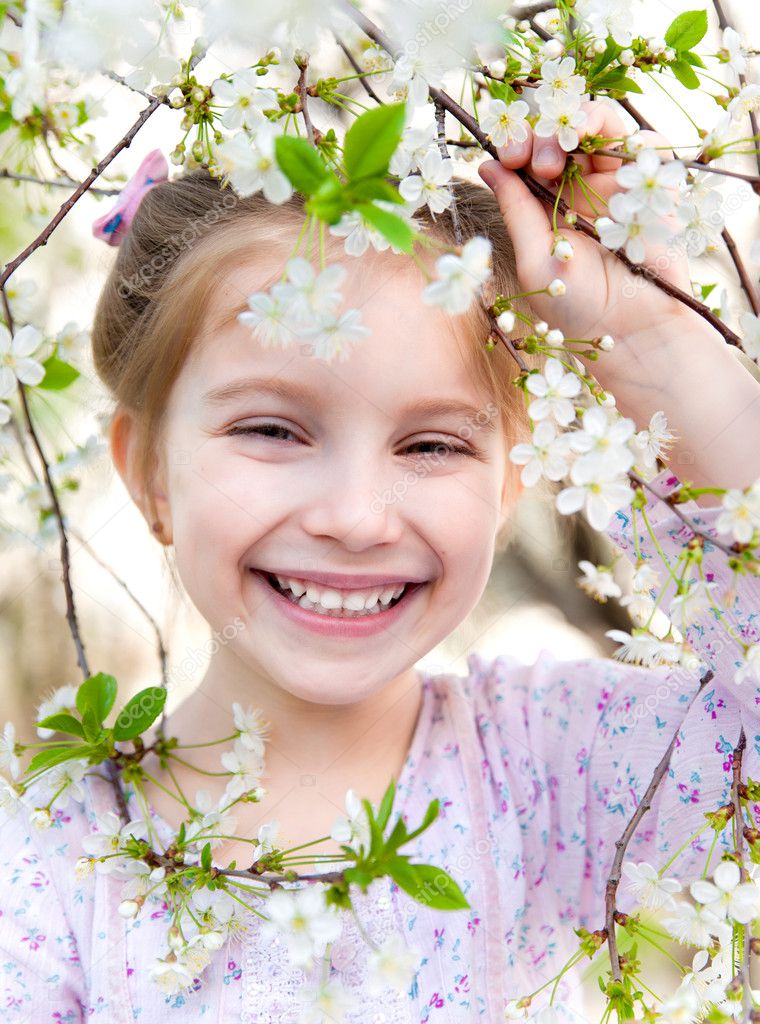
355	508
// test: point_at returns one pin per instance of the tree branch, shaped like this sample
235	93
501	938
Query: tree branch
545	194
359	70
621	844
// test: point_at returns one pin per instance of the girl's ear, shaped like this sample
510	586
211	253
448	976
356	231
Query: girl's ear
123	438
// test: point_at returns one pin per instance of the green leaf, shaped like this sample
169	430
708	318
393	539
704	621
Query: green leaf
693	58
601	62
386	805
300	163
63	723
52	756
58	374
394	228
616	80
430	815
428	885
372	139
6	120
91	725
687	30
97	694
140	713
684	73
373	188
206	857
329	201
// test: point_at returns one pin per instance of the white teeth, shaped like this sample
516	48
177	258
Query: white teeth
342	602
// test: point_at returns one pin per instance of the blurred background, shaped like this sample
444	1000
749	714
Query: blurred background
532	601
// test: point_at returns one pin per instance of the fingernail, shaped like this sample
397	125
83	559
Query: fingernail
505	152
543	156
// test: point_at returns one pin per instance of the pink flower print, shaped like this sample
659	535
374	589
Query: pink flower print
463	985
472	926
582	759
436	1001
690	798
35	938
439	937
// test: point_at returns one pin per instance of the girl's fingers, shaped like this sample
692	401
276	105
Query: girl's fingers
656	141
524	216
545	156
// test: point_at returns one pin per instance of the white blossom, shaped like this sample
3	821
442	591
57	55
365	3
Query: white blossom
648	887
652	443
651	182
546	455
504	123
727	896
252	727
354	828
248	161
561	118
687	608
244	99
333	334
10	797
329	1003
732	44
599	493
8	757
63	700
553	390
632	228
750	666
110	838
393	964
460	277
64	781
151	66
306	921
246	766
750	325
171	975
607	17
641	648
15	357
602	441
431	184
559	83
415	143
597	581
265	838
694	925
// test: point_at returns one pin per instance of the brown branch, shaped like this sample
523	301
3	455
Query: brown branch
723	22
505	340
546	195
359	70
748	285
529	11
140	92
696	165
668	500
621	844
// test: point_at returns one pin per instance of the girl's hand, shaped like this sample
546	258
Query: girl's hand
603	296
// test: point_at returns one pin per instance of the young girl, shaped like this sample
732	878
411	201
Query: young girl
260	463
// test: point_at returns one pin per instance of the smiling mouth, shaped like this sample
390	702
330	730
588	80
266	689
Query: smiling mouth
338	613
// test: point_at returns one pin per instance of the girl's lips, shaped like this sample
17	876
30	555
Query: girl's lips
328	625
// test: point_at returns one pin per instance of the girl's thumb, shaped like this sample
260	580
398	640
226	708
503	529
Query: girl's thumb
523	214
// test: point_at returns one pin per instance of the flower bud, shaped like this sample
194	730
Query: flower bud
606	343
571	217
523	25
508	21
128	908
562	250
212	940
557	287
174	938
627	58
670	53
553	48
498	68
555	337
540	328
40	818
506	321
634	143
656	44
608	400
84	867
600	45
177	102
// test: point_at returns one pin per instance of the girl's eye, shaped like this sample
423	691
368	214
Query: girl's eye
272	429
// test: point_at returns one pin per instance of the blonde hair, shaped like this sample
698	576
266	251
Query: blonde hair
187	232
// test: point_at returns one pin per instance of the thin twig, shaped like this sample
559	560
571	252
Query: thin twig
505	340
621	844
531	10
440	120
736	777
359	70
133	88
12	176
162	653
748	285
546	195
696	165
304	106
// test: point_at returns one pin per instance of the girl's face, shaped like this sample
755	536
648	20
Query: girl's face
344	476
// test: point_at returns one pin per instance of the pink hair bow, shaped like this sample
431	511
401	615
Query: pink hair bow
113	226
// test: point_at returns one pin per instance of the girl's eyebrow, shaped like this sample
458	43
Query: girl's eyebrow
293	391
